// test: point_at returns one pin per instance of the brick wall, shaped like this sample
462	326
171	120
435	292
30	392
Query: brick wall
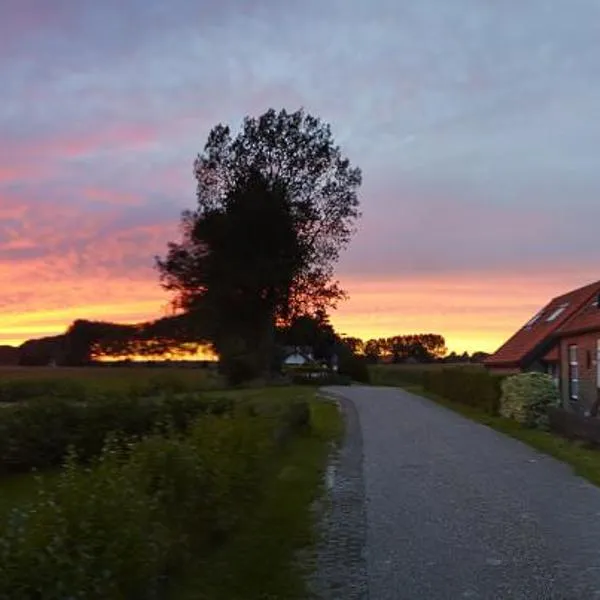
587	366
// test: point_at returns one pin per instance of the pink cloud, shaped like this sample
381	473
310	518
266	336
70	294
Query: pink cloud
112	197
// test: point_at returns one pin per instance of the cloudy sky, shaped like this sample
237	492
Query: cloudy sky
476	124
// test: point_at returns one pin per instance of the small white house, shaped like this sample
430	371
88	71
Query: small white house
298	358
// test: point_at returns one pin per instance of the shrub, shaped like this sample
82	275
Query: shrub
474	387
526	398
123	527
38	434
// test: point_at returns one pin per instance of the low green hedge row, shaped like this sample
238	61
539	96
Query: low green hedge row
474	387
127	524
396	375
37	434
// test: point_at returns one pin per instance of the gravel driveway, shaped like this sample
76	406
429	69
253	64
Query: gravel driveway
426	504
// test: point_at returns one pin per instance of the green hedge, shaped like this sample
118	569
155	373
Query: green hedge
125	526
396	375
37	434
474	387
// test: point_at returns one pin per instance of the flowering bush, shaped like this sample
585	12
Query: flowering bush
526	398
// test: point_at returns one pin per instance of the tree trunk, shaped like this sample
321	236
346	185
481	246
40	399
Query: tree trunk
268	346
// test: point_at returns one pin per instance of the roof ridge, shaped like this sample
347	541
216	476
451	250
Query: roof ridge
575	315
580	289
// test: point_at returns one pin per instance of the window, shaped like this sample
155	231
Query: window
556	313
533	319
573	373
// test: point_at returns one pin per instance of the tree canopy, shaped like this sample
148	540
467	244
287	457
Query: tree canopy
276	205
296	155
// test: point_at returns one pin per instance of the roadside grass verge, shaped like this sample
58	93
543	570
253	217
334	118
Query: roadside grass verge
584	460
261	561
267	549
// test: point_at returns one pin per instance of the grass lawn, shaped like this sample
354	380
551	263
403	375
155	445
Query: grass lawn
585	461
261	560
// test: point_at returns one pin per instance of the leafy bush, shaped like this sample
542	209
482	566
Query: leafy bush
125	526
474	387
526	398
38	434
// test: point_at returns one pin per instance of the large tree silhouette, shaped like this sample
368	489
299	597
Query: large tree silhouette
276	205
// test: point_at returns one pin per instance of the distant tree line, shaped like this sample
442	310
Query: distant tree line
86	342
421	348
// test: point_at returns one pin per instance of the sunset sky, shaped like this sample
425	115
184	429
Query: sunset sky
476	124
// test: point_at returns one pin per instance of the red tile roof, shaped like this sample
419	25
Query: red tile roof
538	334
586	319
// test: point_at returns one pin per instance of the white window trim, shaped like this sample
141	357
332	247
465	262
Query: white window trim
573	363
534	319
557	312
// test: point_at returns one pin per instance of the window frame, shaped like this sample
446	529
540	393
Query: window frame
573	371
557	312
534	319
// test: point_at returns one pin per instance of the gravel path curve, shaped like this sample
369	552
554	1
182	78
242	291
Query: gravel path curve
449	509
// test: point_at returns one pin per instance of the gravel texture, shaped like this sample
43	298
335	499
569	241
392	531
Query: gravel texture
453	510
341	570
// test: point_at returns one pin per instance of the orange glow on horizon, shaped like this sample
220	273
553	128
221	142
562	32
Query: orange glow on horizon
202	354
472	313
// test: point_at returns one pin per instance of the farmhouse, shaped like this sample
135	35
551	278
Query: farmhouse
563	340
297	356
